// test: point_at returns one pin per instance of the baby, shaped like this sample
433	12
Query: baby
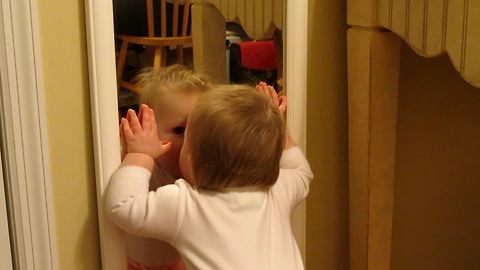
243	176
171	92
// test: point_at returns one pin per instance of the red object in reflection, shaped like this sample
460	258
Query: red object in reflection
259	55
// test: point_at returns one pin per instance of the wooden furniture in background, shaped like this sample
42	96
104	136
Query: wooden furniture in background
377	27
178	38
259	18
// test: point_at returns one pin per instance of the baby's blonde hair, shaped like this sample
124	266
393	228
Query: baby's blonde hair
236	139
157	84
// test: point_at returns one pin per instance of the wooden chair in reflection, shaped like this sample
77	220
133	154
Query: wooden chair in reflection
157	41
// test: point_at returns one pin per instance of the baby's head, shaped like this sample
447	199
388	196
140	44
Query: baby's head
171	92
235	138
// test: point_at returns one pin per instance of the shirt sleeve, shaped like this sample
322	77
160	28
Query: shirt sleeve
135	209
294	179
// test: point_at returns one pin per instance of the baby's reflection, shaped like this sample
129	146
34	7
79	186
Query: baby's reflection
242	176
171	93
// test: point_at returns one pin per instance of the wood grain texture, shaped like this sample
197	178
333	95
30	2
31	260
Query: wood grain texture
362	13
373	72
398	14
259	18
430	27
436	23
208	35
472	46
433	27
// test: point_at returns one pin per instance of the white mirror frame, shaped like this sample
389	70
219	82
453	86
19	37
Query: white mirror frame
103	95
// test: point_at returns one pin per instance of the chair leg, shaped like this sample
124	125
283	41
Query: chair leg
164	56
150	55
157	60
180	54
121	62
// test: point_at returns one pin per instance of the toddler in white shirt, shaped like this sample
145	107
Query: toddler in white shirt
243	176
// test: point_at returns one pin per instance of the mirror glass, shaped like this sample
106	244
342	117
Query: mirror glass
251	55
232	42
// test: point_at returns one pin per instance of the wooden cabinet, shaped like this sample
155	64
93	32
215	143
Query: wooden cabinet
377	28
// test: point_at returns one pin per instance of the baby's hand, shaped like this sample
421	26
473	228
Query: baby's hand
143	138
123	142
278	101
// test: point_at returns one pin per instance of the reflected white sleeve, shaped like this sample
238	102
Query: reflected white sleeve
133	208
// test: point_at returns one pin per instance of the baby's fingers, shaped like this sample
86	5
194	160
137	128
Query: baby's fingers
272	94
262	87
122	132
154	121
147	120
127	131
261	84
123	142
133	122
141	112
149	123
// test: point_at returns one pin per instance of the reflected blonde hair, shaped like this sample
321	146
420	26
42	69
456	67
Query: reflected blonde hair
236	139
157	84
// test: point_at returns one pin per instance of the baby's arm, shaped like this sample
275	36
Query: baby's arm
130	206
295	176
127	200
295	173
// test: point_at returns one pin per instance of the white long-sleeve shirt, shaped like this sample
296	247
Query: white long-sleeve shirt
237	228
147	251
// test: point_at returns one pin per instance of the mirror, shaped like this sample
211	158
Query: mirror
158	34
222	48
147	31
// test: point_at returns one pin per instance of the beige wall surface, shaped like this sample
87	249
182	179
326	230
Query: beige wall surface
64	63
436	206
327	136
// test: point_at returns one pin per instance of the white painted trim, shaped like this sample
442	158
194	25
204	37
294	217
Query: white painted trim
103	96
24	139
296	84
103	93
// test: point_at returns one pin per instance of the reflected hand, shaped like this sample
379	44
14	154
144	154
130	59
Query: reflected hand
123	143
142	137
277	101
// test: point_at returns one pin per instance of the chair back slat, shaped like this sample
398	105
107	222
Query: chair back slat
186	14
150	24
163	17
179	27
175	18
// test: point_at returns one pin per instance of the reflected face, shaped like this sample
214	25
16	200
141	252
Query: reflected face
171	123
